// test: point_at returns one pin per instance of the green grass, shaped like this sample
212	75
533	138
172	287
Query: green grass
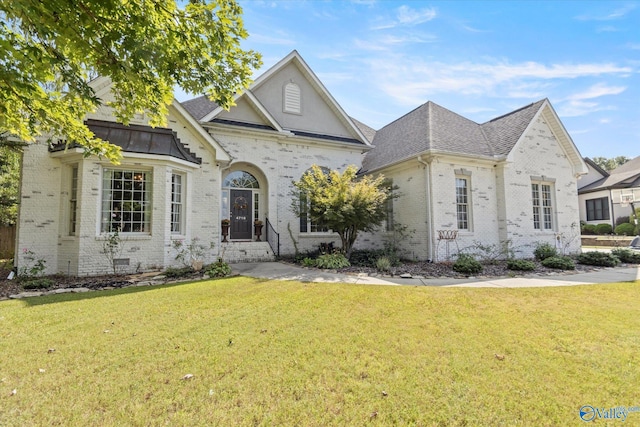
290	353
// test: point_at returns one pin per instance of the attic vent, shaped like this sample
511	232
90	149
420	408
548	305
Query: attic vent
291	99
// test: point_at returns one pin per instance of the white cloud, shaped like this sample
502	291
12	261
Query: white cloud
408	16
405	16
413	81
577	108
597	91
615	14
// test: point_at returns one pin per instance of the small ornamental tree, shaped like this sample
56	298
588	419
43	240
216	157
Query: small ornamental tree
342	202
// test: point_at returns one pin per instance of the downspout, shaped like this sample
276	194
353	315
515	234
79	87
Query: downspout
222	170
428	191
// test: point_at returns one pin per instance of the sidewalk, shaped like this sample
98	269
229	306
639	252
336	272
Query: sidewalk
281	271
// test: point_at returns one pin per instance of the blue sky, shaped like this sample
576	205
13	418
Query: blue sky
381	59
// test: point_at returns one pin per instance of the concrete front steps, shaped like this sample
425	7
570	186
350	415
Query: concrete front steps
234	252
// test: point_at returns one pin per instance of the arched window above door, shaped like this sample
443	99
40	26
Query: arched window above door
240	179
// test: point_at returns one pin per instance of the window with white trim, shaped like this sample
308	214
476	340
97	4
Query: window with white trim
542	196
307	225
126	201
177	203
73	201
462	203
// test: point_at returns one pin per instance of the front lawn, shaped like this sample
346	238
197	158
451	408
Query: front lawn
245	351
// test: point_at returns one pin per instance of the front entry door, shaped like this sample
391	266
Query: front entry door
241	210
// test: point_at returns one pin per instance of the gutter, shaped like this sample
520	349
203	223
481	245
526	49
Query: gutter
429	192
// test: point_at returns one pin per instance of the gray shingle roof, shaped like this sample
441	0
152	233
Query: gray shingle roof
504	131
624	176
199	107
431	127
367	131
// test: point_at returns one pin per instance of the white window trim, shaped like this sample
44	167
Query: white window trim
148	212
465	175
541	181
182	203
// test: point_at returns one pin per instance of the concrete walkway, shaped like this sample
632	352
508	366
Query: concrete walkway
281	271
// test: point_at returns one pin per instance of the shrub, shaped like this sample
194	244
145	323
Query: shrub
626	255
308	262
559	263
602	229
176	273
365	257
622	220
332	261
521	264
491	253
544	251
466	264
218	269
625	229
589	229
383	264
41	283
369	257
603	259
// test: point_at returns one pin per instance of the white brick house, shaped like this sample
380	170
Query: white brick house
510	180
179	183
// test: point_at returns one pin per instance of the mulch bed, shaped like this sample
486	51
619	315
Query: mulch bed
422	269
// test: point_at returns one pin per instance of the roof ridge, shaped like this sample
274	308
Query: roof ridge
406	114
514	111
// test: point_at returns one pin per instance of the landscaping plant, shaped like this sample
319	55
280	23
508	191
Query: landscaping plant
544	250
332	261
219	268
466	264
602	259
559	263
521	265
626	255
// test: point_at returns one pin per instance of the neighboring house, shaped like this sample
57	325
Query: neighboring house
511	179
601	193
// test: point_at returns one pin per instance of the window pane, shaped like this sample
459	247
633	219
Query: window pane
73	201
176	203
126	211
462	203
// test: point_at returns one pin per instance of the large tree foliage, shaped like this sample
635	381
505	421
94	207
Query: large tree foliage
9	181
342	202
610	164
50	49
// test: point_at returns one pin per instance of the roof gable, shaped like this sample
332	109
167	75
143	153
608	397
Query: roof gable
432	129
504	132
272	97
548	114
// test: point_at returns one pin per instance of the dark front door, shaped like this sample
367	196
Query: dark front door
241	214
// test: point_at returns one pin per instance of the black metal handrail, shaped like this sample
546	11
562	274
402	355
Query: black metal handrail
273	237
